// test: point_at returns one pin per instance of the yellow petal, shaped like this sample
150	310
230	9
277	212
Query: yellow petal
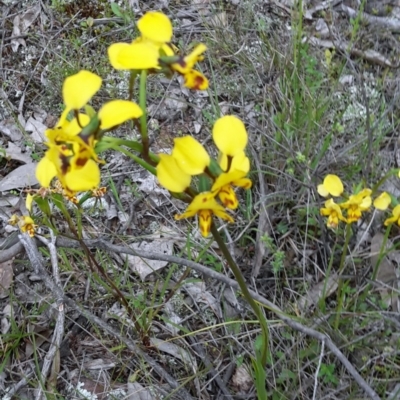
333	185
85	178
45	172
205	221
187	63
116	112
170	175
74	127
395	216
190	155
138	56
244	183
228	197
227	178
78	89
230	136
113	54
322	190
28	202
156	27
383	201
195	80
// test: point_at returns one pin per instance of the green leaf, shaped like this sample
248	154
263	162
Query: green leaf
116	9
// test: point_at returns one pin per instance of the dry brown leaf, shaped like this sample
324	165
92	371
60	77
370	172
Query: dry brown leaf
6	278
11	129
242	379
21	23
324	288
14	152
23	176
175	351
144	267
137	392
198	292
37	128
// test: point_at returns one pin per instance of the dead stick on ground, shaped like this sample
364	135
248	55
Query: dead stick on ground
215	275
36	261
288	320
52	355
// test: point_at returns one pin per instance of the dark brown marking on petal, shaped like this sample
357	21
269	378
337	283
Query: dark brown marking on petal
80	162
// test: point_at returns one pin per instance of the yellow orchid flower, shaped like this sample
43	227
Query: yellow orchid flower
27	224
332	185
193	79
395	218
382	202
190	155
333	212
230	136
357	204
239	168
170	175
143	52
205	205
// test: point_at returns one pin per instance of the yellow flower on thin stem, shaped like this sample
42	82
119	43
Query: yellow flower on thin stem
332	185
143	52
357	204
395	218
333	212
205	206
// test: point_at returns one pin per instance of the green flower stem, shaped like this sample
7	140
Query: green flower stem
245	291
109	142
143	118
341	281
132	78
137	159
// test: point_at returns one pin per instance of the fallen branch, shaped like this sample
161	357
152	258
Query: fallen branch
99	243
368	55
392	24
37	264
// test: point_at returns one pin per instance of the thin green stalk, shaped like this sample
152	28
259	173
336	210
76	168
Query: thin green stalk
341	269
143	118
243	287
137	159
132	79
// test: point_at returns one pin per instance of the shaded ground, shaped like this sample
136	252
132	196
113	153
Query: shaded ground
318	92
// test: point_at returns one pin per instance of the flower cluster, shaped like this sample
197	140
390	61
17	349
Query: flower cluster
354	205
189	158
153	51
25	224
70	156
